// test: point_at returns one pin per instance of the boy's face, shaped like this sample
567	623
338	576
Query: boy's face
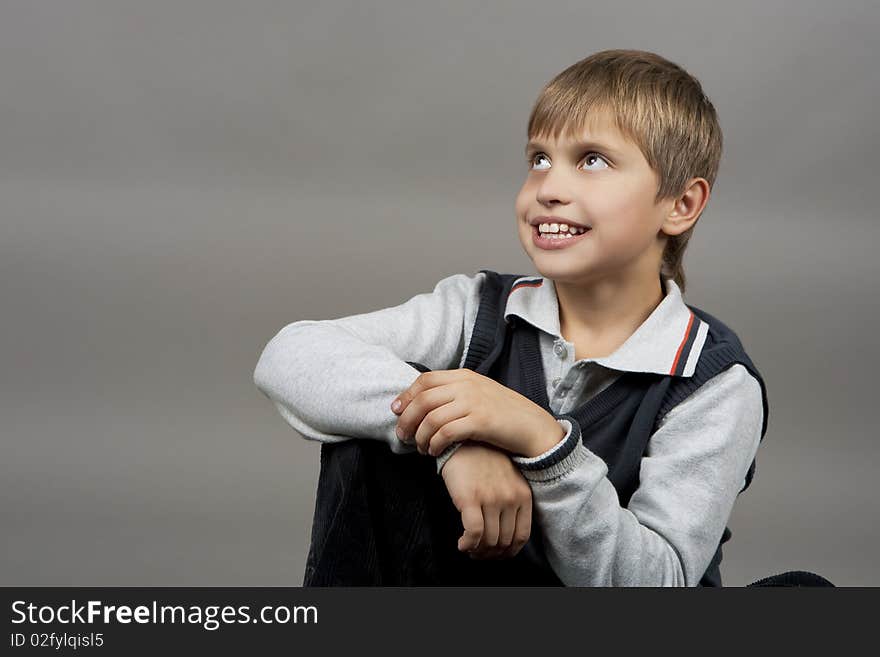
607	185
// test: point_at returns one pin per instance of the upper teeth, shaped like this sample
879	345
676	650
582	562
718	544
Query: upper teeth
557	228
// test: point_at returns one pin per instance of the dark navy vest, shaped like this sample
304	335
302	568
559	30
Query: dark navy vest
617	423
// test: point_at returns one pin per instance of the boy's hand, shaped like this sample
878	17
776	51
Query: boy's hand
447	406
494	499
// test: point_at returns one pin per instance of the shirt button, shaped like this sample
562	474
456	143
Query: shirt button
559	349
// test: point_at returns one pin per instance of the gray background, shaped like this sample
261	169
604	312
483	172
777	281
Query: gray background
182	179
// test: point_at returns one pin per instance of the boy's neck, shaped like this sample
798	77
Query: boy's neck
600	317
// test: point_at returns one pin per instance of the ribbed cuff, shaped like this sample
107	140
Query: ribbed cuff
559	459
445	454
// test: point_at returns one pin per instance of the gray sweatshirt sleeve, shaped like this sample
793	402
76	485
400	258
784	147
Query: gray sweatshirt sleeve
335	379
694	467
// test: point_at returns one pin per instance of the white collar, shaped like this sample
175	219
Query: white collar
669	341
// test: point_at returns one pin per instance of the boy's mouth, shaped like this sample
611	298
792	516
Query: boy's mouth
551	242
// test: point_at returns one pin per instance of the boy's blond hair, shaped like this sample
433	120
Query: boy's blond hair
655	103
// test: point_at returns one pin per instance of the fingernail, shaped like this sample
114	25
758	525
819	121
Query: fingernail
395	405
399	432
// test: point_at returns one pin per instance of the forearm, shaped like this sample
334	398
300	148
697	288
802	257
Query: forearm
544	440
331	386
335	379
689	478
589	539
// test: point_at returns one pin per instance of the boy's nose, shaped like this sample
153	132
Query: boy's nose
553	189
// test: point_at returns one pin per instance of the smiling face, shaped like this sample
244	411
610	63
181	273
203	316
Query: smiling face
596	178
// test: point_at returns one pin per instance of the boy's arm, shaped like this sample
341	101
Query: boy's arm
693	470
335	379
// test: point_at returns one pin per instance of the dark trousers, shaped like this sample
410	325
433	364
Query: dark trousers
385	519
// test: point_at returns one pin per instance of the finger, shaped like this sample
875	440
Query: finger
472	521
507	526
437	418
400	403
424	381
522	532
491	527
414	414
506	529
454	428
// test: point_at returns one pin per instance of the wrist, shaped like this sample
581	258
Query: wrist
547	435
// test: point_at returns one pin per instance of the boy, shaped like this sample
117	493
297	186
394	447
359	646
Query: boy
591	395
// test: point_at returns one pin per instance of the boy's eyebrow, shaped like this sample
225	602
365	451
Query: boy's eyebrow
576	147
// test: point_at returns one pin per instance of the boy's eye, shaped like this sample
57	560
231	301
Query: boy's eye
595	156
536	156
592	156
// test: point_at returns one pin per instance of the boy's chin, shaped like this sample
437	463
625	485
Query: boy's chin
556	270
563	272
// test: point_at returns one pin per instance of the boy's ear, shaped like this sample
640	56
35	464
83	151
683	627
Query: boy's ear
686	209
